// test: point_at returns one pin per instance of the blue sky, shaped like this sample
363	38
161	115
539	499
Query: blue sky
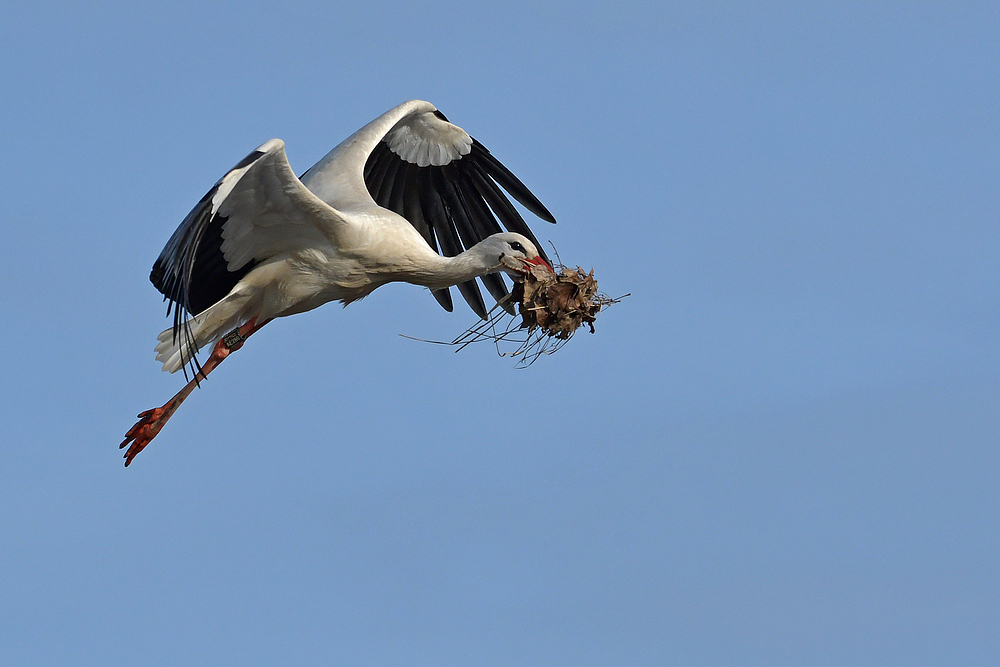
781	449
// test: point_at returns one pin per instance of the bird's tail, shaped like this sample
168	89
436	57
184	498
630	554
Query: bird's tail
178	346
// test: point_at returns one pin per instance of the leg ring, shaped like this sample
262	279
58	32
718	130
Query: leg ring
233	338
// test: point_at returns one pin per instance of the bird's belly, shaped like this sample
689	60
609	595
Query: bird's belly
307	280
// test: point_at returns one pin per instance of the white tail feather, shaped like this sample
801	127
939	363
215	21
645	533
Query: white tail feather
174	352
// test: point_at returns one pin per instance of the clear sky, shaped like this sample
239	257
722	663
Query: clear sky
781	449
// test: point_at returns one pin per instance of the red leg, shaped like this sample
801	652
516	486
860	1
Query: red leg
151	421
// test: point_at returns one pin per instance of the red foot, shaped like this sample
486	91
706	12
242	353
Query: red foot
151	421
149	424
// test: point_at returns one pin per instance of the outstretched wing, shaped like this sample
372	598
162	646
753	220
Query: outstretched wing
258	210
414	162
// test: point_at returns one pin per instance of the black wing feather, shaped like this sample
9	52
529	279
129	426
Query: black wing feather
443	214
375	168
389	179
455	206
191	272
410	208
500	205
509	181
486	224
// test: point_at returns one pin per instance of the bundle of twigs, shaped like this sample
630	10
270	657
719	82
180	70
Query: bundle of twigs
552	306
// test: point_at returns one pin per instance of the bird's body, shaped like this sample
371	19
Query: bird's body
264	244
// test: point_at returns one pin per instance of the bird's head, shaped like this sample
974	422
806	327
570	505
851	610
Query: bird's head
515	254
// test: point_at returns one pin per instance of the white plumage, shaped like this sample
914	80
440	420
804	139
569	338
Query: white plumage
264	244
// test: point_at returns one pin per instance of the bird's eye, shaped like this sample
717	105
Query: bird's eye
516	245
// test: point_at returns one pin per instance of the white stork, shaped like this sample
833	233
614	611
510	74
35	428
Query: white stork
264	244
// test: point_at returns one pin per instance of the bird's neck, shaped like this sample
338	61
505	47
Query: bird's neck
440	272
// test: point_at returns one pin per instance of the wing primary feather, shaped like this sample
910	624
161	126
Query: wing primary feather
411	209
405	200
388	179
444	181
191	272
458	214
479	212
443	297
485	224
493	196
413	212
434	212
500	205
369	165
509	181
394	201
470	290
436	209
380	160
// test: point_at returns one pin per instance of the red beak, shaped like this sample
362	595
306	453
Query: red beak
538	261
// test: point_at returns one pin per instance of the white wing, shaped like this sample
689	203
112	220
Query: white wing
258	210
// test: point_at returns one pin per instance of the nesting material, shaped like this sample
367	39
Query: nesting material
559	302
552	306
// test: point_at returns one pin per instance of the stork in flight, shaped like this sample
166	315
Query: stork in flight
264	244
